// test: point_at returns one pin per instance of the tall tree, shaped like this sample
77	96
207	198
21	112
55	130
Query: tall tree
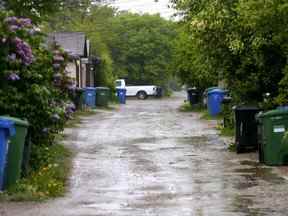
142	50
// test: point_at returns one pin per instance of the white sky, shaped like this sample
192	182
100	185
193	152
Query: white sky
145	6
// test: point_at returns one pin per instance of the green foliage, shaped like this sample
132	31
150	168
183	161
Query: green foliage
35	9
130	46
33	84
142	50
97	26
48	180
186	107
188	63
243	43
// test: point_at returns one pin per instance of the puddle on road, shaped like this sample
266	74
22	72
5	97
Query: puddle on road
259	172
244	203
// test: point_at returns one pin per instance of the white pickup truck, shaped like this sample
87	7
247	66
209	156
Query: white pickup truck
141	91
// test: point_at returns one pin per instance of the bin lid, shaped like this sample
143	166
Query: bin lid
217	90
90	88
194	89
17	121
272	113
102	88
8	125
247	108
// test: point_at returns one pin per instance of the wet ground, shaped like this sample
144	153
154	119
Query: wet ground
146	158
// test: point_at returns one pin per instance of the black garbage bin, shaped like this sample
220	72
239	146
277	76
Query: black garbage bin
159	92
193	95
77	96
246	136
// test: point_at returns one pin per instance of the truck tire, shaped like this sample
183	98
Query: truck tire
142	95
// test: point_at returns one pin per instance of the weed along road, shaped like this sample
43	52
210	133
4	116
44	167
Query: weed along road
147	158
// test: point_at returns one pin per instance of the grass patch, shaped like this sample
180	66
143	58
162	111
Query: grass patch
206	116
76	118
50	171
229	132
232	147
186	107
48	181
225	131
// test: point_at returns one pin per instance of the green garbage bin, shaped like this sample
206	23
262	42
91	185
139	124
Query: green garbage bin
15	152
273	149
102	96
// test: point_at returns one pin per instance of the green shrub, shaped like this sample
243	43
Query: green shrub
48	180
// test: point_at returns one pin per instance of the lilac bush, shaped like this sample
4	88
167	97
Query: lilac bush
24	51
33	82
14	23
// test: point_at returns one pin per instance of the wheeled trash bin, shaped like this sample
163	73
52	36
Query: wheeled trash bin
215	98
246	136
102	96
15	152
121	94
273	126
7	129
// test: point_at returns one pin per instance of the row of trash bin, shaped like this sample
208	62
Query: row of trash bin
255	129
213	98
263	131
96	96
13	150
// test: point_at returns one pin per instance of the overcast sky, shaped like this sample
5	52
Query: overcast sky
145	6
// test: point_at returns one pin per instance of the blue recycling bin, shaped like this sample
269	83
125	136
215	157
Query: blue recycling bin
90	97
121	94
7	129
215	98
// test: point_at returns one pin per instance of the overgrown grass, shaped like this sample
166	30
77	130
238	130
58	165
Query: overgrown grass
76	118
206	116
48	181
232	147
226	131
186	107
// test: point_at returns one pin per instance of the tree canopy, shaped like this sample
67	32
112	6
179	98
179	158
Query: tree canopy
136	47
242	42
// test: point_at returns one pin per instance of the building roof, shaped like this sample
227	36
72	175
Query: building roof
71	42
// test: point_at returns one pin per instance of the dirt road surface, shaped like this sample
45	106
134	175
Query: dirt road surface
146	158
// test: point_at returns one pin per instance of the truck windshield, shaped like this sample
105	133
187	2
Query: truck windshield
118	83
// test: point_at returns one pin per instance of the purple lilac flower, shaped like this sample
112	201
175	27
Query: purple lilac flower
13	77
25	22
11	20
11	57
14	28
24	51
31	31
70	108
15	24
